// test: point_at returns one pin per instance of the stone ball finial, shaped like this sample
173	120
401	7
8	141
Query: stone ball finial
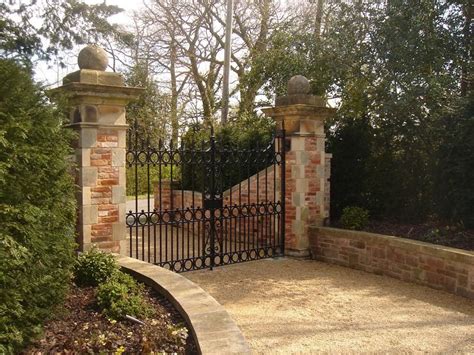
93	57
298	85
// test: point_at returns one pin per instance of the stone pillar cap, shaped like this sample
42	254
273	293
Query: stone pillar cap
299	93
298	85
93	57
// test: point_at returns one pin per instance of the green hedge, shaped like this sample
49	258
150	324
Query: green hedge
454	173
37	210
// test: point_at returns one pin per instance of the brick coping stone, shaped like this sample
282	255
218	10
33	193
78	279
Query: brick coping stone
432	265
211	326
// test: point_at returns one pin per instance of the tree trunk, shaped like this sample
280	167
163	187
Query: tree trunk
318	20
174	93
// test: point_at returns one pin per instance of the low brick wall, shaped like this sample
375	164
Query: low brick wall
431	265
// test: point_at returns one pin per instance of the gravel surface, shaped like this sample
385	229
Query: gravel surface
289	305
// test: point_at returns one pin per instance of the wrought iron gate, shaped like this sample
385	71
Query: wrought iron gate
203	205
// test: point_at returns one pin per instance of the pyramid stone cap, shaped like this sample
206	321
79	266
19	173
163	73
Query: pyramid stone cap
93	57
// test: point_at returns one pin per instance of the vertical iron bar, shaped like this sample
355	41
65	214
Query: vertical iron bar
148	162
193	204
137	152
238	235
249	208
154	241
230	209
160	225
283	187
171	211
213	197
142	213
181	222
220	191
130	150
265	210
202	238
257	155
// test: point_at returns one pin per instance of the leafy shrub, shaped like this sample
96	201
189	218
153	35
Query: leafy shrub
37	208
94	267
121	295
354	218
142	177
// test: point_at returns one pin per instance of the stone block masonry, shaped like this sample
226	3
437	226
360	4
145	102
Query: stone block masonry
307	163
97	101
435	266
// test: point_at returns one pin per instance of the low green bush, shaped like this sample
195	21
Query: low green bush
94	267
121	295
355	218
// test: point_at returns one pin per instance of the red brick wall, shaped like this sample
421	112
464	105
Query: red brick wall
431	265
101	195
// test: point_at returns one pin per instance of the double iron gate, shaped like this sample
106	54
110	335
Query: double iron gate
201	205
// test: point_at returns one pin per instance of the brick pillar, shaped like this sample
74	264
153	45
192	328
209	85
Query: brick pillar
97	101
306	175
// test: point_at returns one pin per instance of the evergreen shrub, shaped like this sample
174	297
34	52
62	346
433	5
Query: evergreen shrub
121	295
37	208
355	218
94	267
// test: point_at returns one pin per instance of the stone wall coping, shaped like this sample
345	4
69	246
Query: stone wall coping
97	125
211	326
298	110
404	243
82	89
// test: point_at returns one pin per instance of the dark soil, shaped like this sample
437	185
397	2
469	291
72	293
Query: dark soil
81	328
451	236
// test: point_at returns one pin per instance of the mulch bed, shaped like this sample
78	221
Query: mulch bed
450	236
81	328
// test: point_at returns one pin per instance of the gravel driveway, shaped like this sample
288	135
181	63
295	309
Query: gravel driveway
286	305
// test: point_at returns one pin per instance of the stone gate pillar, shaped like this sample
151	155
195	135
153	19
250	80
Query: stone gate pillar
307	163
97	101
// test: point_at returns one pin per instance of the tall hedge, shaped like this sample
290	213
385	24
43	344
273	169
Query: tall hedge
454	175
37	210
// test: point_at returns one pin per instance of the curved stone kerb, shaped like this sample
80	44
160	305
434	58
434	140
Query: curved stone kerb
211	326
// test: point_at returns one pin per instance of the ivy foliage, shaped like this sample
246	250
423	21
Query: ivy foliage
37	208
